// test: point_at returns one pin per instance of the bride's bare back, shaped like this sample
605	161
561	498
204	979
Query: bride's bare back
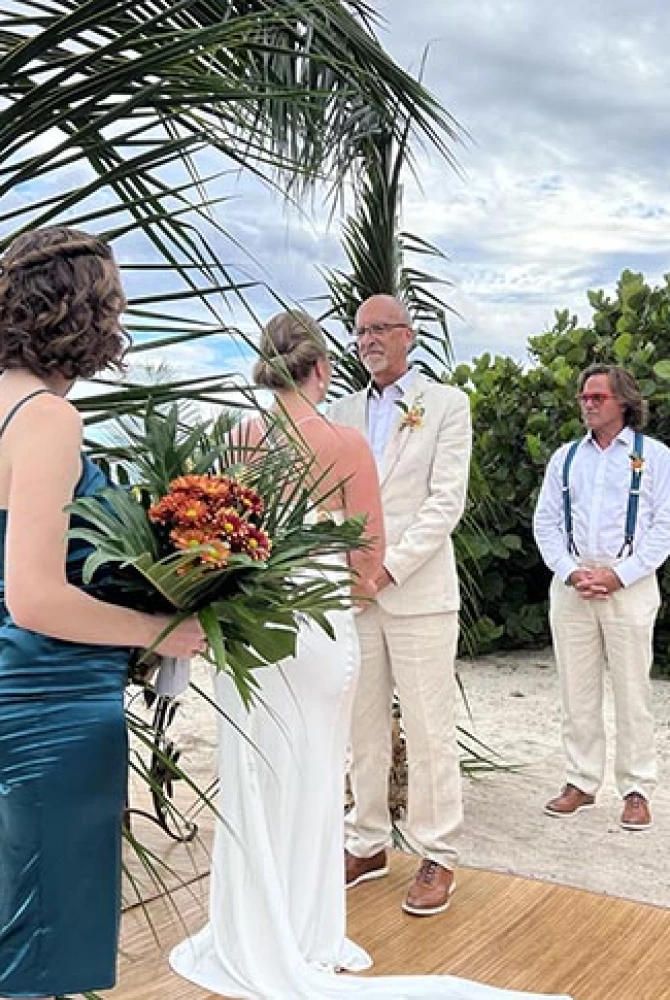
347	480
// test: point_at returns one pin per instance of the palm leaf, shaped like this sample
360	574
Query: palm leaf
295	582
377	251
100	102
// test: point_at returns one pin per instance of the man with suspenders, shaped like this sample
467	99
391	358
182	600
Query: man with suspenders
602	524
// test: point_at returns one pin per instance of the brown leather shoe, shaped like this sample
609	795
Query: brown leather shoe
429	890
359	870
636	813
571	800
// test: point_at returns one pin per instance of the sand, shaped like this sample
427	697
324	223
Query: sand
515	709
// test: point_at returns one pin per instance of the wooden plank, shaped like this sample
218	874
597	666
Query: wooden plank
500	929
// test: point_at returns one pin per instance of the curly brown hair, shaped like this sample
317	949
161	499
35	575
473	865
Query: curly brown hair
60	305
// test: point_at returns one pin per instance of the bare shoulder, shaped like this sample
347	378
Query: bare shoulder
49	427
57	416
52	404
250	431
49	416
347	448
350	437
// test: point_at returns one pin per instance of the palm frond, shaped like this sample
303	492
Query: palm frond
134	562
110	112
378	253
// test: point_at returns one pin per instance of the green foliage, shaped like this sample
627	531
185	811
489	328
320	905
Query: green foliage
236	597
124	119
521	415
380	255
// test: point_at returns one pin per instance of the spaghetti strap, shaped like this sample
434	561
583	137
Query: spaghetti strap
17	406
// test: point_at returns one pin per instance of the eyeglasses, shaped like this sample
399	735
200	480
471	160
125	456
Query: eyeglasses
597	398
378	328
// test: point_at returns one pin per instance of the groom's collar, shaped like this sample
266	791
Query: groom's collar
403	383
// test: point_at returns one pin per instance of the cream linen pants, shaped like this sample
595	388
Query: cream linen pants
587	635
414	653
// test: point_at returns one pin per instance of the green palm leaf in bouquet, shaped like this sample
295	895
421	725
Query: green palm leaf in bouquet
218	526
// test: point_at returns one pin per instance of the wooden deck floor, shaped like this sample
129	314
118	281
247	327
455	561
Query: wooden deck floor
500	929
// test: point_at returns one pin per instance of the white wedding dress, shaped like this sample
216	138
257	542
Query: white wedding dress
276	926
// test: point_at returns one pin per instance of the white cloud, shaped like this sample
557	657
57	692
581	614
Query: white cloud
566	175
565	179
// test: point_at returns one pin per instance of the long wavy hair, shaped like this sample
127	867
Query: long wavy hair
625	389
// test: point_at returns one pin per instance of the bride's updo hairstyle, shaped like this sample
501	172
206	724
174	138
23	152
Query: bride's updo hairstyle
290	345
60	304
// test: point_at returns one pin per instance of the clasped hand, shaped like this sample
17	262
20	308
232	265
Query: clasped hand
595	584
365	593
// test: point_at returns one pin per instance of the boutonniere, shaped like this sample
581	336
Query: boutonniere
413	414
636	462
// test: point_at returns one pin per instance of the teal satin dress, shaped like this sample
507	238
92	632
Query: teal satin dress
63	772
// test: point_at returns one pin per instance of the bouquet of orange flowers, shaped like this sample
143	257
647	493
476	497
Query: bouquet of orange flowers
212	517
211	525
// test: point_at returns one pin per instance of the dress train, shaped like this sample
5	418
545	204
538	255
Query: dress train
277	910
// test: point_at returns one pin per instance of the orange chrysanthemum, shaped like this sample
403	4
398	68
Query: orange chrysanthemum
257	544
188	510
162	512
218	488
207	487
230	524
189	538
249	500
216	554
187	484
212	511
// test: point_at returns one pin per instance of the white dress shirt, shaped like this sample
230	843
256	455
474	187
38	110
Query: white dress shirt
383	412
599	489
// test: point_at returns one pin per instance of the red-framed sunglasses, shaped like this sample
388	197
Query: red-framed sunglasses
597	398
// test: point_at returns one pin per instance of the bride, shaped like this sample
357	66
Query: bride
277	912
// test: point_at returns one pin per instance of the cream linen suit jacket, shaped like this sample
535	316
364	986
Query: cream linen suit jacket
423	478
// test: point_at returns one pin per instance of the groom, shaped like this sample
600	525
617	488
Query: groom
420	434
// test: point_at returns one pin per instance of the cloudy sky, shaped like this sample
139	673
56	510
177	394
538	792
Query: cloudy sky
565	179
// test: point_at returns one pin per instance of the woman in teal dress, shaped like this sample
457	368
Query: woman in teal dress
63	653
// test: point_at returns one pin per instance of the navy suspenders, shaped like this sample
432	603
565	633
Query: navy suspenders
567	505
636	466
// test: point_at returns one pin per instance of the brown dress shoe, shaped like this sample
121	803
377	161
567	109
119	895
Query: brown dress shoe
429	890
359	870
636	813
571	800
